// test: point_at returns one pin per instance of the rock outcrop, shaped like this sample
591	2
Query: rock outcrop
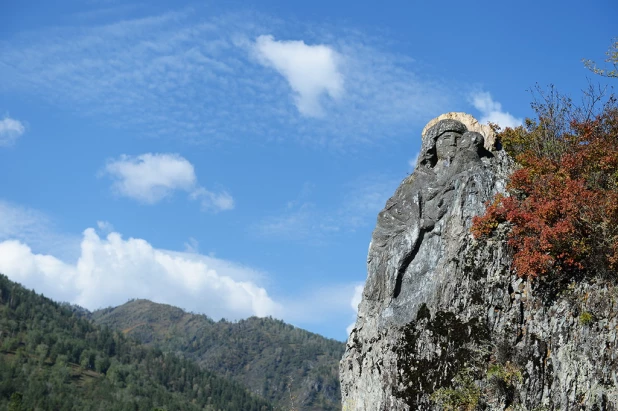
444	323
471	123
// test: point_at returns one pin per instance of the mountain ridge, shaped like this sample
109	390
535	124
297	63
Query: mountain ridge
52	357
284	364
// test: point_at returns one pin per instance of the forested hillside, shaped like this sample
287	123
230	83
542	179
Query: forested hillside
52	358
289	366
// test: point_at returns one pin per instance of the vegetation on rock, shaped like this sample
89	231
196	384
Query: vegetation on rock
464	396
562	206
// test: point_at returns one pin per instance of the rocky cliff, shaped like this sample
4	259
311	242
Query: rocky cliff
445	324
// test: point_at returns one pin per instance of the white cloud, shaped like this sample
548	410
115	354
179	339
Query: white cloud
213	201
413	160
111	270
149	178
491	111
10	131
354	302
310	70
100	269
357	297
175	77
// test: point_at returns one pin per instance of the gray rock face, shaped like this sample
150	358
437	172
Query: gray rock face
444	323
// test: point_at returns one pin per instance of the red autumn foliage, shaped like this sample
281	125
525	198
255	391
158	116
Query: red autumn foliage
562	204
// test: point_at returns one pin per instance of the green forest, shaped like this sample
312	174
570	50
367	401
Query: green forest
291	367
53	358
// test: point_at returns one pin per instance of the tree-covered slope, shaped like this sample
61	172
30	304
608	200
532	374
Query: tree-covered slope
284	364
52	358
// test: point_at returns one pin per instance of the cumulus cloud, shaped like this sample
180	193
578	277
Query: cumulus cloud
100	268
310	70
111	270
354	302
10	131
491	111
149	178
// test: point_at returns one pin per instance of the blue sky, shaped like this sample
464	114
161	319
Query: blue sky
230	158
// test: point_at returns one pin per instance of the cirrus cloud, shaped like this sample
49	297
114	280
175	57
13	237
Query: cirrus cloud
210	80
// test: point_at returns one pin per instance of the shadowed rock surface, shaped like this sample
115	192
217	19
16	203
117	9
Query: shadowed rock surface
444	323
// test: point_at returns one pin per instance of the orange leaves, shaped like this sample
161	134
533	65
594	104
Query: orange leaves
483	226
563	203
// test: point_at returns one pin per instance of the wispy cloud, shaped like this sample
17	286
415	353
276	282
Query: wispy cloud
18	221
170	75
192	246
302	220
10	131
105	227
149	178
211	201
298	222
491	111
310	70
35	228
363	199
329	303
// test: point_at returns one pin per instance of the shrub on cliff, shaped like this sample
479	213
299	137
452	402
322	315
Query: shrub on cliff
562	203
